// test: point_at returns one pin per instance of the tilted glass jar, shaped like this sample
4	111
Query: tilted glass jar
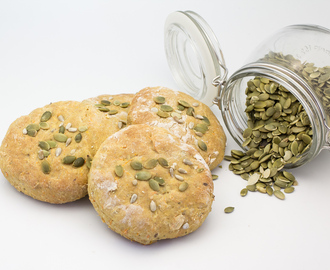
296	57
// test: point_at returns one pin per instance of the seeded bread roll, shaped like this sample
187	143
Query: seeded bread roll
190	120
110	116
40	173
147	185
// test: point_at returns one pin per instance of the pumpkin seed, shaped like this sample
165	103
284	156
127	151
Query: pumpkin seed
150	164
143	176
160	180
68	159
136	165
62	129
183	186
44	125
166	108
104	109
89	162
153	184
163	114
105	102
116	102
159	100
60	137
82	129
119	170
202	145
289	189
112	112
124	104
45	167
229	209
184	103
78	138
244	192
163	162
46	116
190	111
279	194
214	177
79	162
33	127
44	145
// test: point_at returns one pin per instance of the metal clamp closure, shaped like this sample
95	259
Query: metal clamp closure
219	81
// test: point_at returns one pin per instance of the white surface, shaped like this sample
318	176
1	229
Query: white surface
62	50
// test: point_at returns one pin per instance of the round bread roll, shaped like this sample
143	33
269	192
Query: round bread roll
190	120
147	185
32	152
110	116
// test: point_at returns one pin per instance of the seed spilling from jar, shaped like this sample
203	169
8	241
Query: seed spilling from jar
278	133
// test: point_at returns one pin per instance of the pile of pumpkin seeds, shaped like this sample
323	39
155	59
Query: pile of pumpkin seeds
59	137
317	77
278	132
156	183
103	106
183	107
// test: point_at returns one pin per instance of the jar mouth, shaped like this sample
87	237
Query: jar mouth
232	103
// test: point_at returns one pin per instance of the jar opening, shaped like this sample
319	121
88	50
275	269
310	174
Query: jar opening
232	103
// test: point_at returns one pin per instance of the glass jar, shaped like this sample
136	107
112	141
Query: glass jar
297	57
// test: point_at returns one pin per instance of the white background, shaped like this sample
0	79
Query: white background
72	50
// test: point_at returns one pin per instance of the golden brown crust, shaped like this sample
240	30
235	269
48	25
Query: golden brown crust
141	112
177	212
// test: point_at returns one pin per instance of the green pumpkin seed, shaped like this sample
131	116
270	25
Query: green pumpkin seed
105	102
136	165
44	145
116	103
112	112
202	145
33	127
32	132
244	192
124	104
78	138
150	164
159	100
279	194
183	186
184	103
44	125
89	162
143	176
163	114
289	189
45	167
229	209
160	180
83	128
62	129
201	128
52	144
166	108
119	170
269	190
180	107
190	111
163	162
46	116
60	137
214	177
104	109
68	159
154	185
79	162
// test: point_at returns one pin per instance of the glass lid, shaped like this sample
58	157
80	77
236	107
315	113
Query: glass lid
194	55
